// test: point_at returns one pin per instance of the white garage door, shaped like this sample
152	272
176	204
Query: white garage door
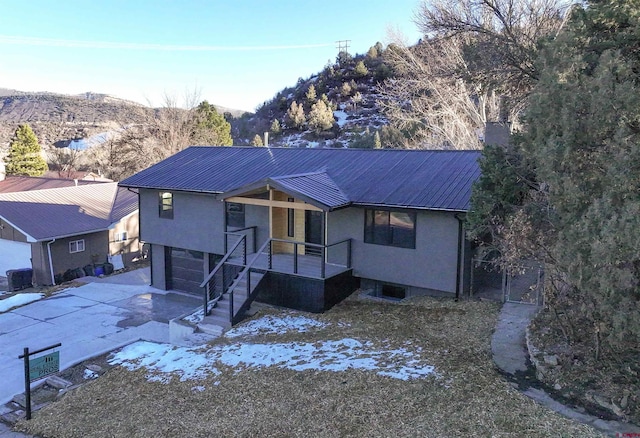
14	255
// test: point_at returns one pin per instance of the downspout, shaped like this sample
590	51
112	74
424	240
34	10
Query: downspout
460	254
53	279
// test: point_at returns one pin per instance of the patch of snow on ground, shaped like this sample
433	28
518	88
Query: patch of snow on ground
19	300
341	116
189	363
162	360
271	324
195	317
89	375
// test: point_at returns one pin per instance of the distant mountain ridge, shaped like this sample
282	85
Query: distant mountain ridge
59	117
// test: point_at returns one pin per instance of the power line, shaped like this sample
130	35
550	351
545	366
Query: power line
50	42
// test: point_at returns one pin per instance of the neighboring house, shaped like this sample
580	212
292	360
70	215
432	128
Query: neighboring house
14	183
390	220
76	175
68	227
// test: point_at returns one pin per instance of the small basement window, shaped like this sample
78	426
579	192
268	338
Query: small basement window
76	246
395	292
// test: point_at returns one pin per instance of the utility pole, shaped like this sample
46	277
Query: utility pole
343	46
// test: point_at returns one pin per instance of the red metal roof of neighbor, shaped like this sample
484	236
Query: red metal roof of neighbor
68	211
424	179
26	183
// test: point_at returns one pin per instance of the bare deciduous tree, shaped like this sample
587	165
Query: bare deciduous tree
135	146
64	160
429	99
476	64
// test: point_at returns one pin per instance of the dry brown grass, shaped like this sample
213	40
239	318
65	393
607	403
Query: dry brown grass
469	399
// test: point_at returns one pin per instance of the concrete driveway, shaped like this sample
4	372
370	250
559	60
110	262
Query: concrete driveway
90	320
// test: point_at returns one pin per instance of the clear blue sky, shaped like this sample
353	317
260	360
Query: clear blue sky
237	53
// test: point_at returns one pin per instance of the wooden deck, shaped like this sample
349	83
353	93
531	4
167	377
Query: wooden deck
308	266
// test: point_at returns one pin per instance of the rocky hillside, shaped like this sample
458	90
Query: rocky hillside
56	117
349	87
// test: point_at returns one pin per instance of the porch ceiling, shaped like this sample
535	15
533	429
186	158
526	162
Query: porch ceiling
273	203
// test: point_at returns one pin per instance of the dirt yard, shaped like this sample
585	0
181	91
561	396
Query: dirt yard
463	396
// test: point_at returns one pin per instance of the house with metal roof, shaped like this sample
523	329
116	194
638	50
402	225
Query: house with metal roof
303	228
53	230
14	183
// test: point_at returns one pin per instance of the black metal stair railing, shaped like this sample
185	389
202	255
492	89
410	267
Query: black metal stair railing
219	279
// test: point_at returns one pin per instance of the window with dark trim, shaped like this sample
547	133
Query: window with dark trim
235	215
392	228
165	205
291	220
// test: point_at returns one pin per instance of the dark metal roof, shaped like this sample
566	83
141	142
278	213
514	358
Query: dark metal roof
437	180
316	186
62	212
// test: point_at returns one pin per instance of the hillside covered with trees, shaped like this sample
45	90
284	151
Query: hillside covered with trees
566	192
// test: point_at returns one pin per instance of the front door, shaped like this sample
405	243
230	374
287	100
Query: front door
313	231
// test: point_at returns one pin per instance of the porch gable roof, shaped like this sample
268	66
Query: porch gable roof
315	188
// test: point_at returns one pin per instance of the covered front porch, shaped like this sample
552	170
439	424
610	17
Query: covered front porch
287	257
294	265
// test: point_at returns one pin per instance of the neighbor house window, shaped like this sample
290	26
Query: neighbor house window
121	236
393	228
166	205
76	246
235	215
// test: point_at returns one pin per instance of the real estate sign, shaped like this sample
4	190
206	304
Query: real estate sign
43	366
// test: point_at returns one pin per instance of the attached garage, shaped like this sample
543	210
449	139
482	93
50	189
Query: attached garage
14	255
184	270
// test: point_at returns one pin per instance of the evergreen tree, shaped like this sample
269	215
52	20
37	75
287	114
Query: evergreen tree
210	127
257	141
567	191
295	115
345	90
344	59
320	117
360	69
377	144
311	94
583	139
25	154
392	137
275	127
